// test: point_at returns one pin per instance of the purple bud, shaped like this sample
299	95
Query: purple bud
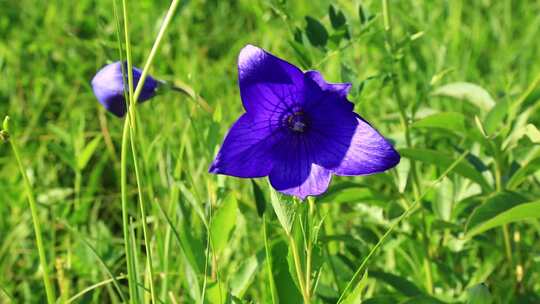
108	86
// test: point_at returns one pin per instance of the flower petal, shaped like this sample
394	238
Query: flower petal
246	150
351	146
294	172
340	89
268	84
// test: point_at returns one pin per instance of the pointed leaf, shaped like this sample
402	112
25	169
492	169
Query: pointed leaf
260	201
284	208
450	121
498	212
356	295
470	92
88	151
315	31
223	222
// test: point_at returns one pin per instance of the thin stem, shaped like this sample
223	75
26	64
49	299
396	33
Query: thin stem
133	97
499	187
309	249
132	280
298	267
147	243
49	290
273	291
153	51
405	124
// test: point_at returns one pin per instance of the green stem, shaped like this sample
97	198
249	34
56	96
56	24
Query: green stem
309	249
499	187
147	243
153	51
298	267
49	290
273	291
130	120
405	124
132	280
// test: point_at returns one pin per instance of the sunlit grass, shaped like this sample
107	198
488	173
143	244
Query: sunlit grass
135	216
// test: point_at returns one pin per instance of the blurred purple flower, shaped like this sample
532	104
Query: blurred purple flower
108	86
298	129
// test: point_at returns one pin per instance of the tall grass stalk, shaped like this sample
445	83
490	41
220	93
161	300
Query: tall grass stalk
129	126
49	289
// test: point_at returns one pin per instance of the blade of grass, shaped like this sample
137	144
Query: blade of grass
100	260
92	287
273	291
49	290
123	175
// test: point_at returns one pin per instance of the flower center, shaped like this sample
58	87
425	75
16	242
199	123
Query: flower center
296	122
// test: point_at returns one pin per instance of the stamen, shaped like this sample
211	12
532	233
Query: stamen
296	122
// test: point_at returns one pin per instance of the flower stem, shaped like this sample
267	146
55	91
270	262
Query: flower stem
49	290
405	124
309	249
130	125
132	279
298	267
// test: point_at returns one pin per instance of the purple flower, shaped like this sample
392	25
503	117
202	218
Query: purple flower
298	129
108	86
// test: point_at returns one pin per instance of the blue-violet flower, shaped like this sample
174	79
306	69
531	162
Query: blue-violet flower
108	86
298	129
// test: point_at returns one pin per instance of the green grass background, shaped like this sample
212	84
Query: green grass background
49	51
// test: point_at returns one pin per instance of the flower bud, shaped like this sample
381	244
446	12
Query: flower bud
108	86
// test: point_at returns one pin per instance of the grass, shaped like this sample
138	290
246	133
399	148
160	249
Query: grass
192	237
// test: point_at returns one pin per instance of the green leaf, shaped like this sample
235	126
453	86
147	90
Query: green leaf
284	208
444	202
479	294
450	121
522	173
528	130
260	201
501	209
302	53
362	14
190	198
285	285
216	293
191	247
223	222
87	152
470	92
400	284
355	296
495	117
316	33
337	18
243	277
493	205
349	193
444	161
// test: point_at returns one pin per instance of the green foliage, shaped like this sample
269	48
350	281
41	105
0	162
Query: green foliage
448	81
